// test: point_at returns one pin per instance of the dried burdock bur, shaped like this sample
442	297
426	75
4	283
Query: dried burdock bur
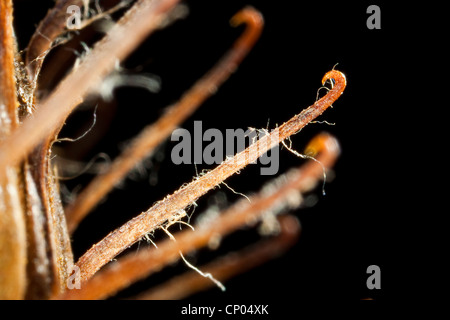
36	257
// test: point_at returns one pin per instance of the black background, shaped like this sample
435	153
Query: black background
349	228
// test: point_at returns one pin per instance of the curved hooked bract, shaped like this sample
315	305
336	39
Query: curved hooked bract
118	240
254	21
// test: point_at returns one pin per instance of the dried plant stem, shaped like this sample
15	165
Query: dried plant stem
123	237
143	18
135	266
151	136
228	266
49	29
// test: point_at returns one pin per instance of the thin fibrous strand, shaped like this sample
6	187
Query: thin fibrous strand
135	266
143	18
228	266
150	137
123	237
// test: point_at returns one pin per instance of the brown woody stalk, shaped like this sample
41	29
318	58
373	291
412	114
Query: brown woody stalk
50	29
165	210
151	136
228	266
135	266
142	19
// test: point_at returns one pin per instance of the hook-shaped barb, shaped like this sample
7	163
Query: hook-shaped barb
295	124
254	24
340	82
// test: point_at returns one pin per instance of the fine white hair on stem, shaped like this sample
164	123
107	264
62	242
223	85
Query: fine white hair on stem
94	121
146	81
304	156
206	275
